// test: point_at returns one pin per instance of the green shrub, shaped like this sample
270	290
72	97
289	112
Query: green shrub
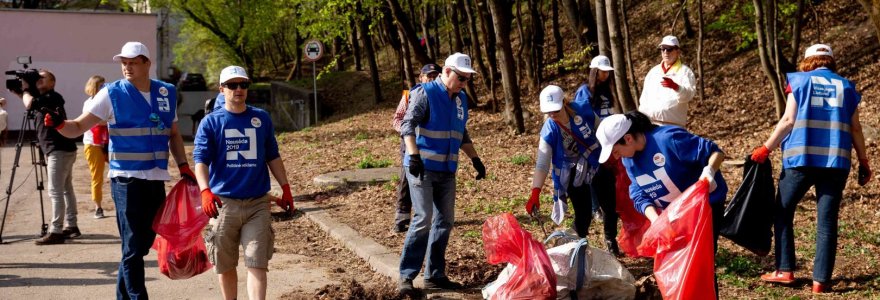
520	159
368	162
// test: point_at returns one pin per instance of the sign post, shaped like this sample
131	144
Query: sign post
314	49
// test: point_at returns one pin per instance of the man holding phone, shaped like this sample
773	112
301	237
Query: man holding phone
669	87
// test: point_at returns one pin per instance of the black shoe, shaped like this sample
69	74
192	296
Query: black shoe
401	226
51	239
99	213
611	246
405	287
442	283
71	232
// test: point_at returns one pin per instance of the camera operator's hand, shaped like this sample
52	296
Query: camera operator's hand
52	118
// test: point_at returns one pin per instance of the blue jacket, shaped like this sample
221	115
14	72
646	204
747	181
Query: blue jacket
672	161
139	137
821	134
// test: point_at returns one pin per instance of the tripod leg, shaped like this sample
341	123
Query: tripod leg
39	162
18	145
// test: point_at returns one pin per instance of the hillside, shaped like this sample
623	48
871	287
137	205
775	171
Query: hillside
737	113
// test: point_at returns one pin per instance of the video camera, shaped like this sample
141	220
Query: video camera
14	78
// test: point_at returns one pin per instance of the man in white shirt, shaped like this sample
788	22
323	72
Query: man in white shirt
668	87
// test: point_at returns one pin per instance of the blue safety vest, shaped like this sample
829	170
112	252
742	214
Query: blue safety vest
440	138
603	97
582	125
137	140
821	134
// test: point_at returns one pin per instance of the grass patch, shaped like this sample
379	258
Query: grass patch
361	136
520	159
734	264
473	234
368	162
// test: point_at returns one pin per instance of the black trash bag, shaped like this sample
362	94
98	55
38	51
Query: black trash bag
748	218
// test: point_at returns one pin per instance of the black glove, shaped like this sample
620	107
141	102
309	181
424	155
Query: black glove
53	118
416	167
481	169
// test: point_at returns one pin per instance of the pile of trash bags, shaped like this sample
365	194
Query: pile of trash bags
572	270
178	224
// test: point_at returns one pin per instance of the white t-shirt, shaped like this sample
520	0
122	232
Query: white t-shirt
101	107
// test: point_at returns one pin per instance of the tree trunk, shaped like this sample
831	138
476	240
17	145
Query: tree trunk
636	90
602	28
764	54
355	46
557	36
391	33
872	7
523	44
701	79
371	54
435	20
406	27
537	54
618	53
686	21
454	18
337	54
501	15
488	34
796	31
572	13
475	40
407	62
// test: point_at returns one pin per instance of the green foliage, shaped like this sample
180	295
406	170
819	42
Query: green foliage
574	62
361	136
473	234
368	162
738	20
520	159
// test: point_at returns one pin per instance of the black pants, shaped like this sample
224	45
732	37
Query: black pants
604	193
582	202
404	203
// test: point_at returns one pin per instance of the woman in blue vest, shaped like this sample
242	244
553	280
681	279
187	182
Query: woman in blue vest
598	92
567	140
817	132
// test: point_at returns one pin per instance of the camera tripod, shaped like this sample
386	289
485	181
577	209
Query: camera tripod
38	160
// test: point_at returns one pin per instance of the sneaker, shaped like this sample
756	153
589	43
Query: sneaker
401	226
99	213
611	246
51	239
405	287
71	232
779	277
819	287
598	215
442	283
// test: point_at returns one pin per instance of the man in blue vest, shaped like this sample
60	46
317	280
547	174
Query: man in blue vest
141	116
434	131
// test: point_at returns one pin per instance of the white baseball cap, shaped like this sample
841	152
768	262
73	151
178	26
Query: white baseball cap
602	63
611	130
460	62
132	50
551	99
669	40
818	49
231	72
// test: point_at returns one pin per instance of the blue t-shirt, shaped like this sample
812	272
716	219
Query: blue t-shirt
671	162
237	148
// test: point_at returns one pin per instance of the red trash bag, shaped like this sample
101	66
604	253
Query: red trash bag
179	223
634	224
505	241
680	240
180	219
181	263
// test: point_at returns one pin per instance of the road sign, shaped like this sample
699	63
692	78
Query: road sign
314	49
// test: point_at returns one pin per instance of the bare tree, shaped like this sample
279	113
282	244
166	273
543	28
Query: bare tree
701	79
404	25
872	7
501	16
371	54
764	52
602	29
621	80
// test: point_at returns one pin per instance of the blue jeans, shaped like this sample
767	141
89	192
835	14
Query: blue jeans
793	184
433	202
137	202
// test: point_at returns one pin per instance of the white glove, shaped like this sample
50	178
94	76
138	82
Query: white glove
709	175
559	208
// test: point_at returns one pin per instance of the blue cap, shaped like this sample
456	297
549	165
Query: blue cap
430	68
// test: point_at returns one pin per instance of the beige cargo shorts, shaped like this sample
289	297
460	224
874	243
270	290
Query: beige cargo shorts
245	222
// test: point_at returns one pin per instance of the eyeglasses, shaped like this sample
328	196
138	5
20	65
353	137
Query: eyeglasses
461	78
236	85
668	49
155	119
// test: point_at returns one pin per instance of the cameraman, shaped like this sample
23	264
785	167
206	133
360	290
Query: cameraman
60	154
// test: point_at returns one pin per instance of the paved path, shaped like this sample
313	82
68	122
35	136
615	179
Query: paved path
86	267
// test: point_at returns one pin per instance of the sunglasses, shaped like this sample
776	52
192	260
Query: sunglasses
461	78
155	119
236	85
668	49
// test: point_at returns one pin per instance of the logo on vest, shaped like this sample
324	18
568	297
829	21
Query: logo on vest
460	109
256	122
163	91
578	120
164	103
240	143
824	91
659	159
